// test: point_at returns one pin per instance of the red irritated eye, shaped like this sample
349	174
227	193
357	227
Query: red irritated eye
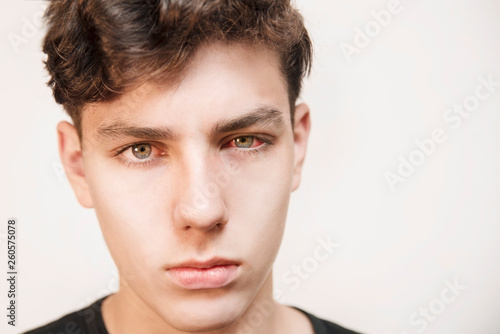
250	144
245	142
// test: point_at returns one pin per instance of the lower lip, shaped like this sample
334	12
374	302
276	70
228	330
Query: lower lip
208	278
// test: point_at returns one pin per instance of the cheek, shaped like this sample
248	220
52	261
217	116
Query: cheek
257	198
128	213
127	194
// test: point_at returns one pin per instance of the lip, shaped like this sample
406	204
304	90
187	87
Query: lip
211	274
216	261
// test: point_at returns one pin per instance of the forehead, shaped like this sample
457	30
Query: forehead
222	81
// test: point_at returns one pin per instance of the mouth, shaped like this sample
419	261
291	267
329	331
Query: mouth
211	274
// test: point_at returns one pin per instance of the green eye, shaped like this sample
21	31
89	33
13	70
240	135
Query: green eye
141	151
243	142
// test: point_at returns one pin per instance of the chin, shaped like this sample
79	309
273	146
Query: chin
205	317
207	313
201	325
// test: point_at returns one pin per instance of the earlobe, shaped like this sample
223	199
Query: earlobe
70	152
301	131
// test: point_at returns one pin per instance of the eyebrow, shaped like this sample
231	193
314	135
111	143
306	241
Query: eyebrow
120	129
266	116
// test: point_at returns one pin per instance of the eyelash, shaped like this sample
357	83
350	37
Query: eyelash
266	144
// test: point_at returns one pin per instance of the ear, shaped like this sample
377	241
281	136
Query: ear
70	152
301	131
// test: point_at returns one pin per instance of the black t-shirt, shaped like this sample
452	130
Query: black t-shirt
89	321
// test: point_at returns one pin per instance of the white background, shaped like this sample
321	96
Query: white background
396	248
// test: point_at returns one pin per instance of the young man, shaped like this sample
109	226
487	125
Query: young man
187	143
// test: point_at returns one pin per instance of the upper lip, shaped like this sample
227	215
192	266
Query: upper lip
216	261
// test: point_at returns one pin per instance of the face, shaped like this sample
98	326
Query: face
191	171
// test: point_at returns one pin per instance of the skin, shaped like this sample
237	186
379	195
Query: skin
200	194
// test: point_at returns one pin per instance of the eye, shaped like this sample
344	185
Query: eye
250	144
140	154
141	151
244	142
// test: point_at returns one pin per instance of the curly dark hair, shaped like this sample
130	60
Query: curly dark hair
97	49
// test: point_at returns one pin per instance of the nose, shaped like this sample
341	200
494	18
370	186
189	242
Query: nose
200	201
